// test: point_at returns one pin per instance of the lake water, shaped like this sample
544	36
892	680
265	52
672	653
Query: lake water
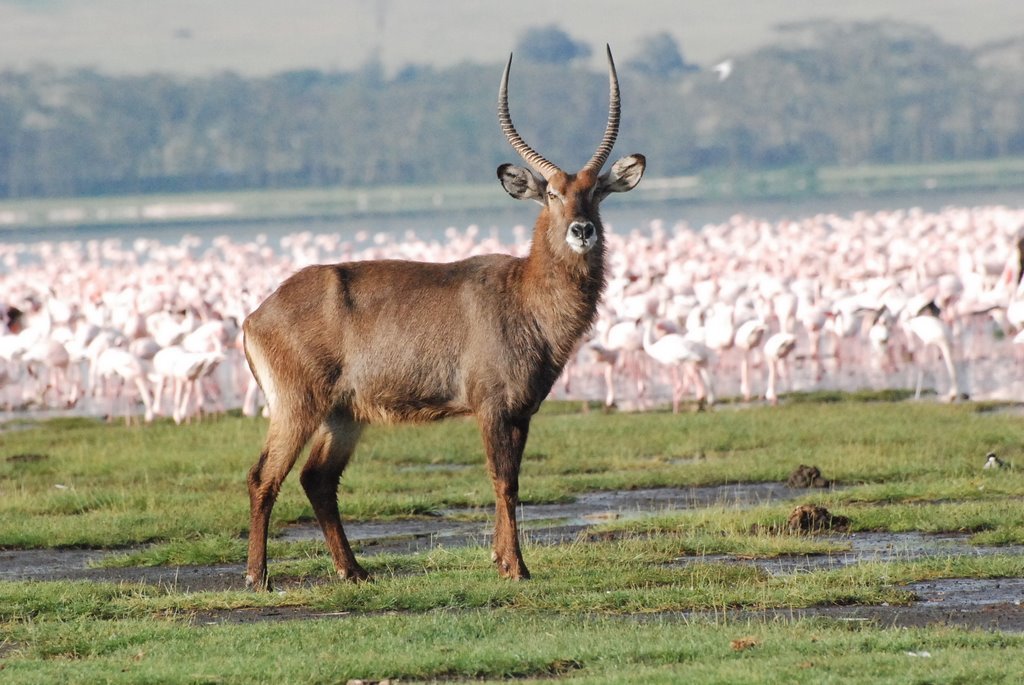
620	216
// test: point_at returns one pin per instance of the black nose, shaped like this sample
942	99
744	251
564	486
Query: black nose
582	230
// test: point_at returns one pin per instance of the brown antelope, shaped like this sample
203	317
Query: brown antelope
337	347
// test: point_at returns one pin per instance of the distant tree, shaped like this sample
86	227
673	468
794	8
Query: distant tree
826	93
410	73
659	57
550	45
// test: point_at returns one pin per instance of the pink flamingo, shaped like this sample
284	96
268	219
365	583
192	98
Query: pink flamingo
674	351
119	363
777	349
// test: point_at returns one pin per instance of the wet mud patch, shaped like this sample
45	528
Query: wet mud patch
542	523
259	615
991	604
40	564
77	564
866	547
987	604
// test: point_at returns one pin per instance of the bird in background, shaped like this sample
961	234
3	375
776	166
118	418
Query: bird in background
723	69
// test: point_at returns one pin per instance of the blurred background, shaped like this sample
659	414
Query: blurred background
164	165
730	100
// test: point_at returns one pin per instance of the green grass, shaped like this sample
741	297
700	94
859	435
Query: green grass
613	608
493	645
99	485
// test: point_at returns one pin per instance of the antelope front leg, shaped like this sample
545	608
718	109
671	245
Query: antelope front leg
504	440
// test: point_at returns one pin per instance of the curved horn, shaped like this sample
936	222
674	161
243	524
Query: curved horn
539	164
611	131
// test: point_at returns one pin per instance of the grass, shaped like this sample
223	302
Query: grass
447	645
613	608
98	485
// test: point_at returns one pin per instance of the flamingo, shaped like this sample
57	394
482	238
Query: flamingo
930	330
620	346
49	360
777	349
969	257
122	364
880	339
814	318
674	350
185	369
602	355
749	335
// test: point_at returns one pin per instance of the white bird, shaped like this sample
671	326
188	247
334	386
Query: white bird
723	69
749	335
674	350
185	370
814	319
933	331
776	350
881	341
600	354
625	339
122	364
49	361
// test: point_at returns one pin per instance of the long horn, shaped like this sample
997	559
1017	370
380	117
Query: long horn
539	164
611	131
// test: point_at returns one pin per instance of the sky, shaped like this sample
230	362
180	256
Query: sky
260	37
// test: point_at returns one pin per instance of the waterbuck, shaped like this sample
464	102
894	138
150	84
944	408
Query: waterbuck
338	347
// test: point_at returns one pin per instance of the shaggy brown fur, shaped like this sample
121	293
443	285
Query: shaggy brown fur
340	346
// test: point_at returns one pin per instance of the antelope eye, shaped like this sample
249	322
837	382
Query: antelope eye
552	194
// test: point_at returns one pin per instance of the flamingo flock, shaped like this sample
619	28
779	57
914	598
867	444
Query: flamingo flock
746	309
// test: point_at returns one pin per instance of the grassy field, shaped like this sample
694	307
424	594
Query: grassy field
663	596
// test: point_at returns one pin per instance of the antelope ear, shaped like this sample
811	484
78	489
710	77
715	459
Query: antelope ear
522	184
622	177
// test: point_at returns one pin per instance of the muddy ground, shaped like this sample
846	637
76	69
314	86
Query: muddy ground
994	604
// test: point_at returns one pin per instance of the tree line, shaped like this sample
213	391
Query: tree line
826	93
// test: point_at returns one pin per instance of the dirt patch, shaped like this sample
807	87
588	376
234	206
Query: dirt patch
543	523
810	518
866	547
805	519
76	564
259	615
996	616
993	604
805	476
989	604
29	458
41	564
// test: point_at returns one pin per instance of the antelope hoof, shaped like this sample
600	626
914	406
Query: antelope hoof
354	575
262	585
513	569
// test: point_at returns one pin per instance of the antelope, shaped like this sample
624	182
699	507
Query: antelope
338	347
